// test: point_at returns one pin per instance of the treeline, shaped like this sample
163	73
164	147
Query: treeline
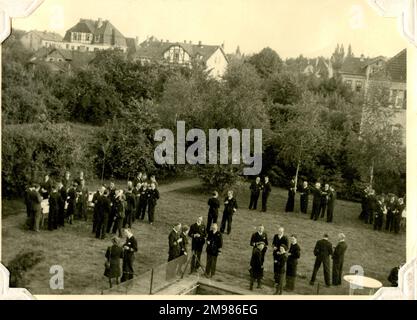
308	122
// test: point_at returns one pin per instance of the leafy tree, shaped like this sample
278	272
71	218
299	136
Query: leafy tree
300	139
378	147
266	62
125	145
283	88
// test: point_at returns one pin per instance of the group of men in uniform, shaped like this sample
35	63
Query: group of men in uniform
324	199
115	209
258	187
285	256
383	209
58	201
178	248
286	253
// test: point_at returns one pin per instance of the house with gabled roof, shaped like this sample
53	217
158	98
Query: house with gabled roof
360	73
61	60
355	71
35	39
93	35
212	57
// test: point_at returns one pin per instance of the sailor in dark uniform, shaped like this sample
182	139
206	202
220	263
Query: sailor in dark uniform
305	190
129	249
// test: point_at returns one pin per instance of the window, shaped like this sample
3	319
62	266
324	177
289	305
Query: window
97	38
400	99
358	86
176	56
349	83
393	98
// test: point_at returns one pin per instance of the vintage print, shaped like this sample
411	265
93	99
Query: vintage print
178	147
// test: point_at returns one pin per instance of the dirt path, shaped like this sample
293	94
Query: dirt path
163	188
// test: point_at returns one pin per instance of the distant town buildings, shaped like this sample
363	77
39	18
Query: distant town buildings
359	73
212	57
88	36
35	40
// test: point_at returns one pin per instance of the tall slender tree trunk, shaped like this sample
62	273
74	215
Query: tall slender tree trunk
371	174
298	165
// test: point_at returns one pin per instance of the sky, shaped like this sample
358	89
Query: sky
290	27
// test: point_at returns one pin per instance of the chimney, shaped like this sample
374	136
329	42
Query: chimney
362	58
99	23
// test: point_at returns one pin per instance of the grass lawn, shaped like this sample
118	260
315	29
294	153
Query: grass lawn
82	256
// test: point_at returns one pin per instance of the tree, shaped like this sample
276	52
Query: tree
283	88
338	57
350	52
301	139
266	62
125	144
378	147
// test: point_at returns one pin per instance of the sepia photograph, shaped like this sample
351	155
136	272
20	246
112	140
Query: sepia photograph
178	147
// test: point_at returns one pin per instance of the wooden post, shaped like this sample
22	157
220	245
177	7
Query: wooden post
150	286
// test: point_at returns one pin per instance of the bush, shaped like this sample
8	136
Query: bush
219	177
30	151
22	263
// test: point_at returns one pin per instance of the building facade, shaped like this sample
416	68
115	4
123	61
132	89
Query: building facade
360	73
34	40
212	57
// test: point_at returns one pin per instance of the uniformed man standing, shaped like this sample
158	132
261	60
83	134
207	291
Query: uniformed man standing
391	207
331	204
214	247
260	236
324	200
183	249
255	189
129	249
289	207
72	202
304	197
119	206
112	198
130	208
379	214
198	235
153	196
61	204
53	208
315	212
293	255
338	258
174	251
213	213
230	207
143	200
266	190
257	265
279	239
280	261
323	250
